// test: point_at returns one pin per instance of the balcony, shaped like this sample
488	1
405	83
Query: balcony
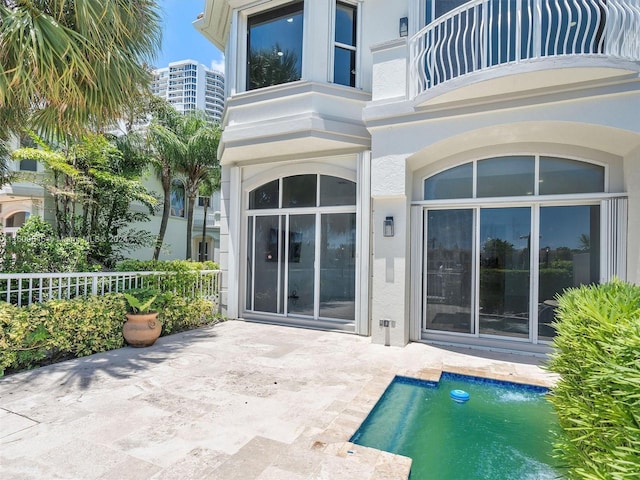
485	41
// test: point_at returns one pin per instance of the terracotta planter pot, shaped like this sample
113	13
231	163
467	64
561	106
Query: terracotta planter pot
141	329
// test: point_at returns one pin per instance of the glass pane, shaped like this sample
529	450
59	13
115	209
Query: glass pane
336	191
504	271
344	69
302	257
569	256
444	6
456	182
266	196
506	176
250	263
177	199
561	175
28	165
299	191
338	266
346	24
449	245
274	51
17	220
268	244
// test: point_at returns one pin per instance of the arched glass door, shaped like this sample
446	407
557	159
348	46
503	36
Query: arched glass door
301	237
495	268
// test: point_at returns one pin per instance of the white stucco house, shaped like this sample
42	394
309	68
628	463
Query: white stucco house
426	170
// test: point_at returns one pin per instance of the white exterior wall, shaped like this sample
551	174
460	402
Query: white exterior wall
632	187
582	108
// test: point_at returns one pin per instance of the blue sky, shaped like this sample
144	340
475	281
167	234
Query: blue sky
180	40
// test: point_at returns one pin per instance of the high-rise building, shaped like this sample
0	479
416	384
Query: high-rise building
189	85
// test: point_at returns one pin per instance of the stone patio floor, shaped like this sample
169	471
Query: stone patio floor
235	401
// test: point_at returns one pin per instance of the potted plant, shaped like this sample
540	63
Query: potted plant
142	327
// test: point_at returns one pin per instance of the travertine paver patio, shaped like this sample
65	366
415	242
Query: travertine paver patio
235	401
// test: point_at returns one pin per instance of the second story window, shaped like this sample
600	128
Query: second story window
344	55
274	46
177	199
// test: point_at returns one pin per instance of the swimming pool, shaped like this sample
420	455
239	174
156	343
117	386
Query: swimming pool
505	431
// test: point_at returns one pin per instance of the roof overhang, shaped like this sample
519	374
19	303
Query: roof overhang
215	22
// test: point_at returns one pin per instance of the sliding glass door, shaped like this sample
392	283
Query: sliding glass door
504	271
497	272
449	268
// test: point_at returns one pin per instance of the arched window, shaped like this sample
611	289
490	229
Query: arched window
16	220
515	176
177	199
301	248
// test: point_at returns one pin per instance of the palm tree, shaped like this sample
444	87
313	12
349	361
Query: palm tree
69	64
200	162
167	148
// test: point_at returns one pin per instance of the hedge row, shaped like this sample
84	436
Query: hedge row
598	396
164	266
58	329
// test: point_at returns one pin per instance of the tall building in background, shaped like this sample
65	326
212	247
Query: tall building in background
189	85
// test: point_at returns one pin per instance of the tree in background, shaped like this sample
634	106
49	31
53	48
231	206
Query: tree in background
166	148
186	145
199	163
96	187
66	65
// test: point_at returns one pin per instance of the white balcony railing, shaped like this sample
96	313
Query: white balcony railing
486	33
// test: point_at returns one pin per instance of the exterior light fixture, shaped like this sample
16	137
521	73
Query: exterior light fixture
404	26
388	230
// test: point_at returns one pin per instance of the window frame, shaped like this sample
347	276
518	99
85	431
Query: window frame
339	45
536	192
265	15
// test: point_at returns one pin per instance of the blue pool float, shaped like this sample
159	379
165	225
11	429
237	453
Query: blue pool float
459	396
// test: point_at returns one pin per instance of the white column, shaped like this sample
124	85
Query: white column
390	282
363	242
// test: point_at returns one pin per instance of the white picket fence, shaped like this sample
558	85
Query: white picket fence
27	288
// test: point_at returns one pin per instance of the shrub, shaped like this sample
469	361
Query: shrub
37	249
598	395
47	332
184	277
164	266
178	313
58	329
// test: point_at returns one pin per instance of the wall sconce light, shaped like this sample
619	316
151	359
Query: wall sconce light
404	26
388	227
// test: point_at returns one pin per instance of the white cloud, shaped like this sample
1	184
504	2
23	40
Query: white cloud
218	65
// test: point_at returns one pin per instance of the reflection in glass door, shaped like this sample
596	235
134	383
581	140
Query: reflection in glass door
338	266
288	274
267	254
449	267
569	256
301	261
505	271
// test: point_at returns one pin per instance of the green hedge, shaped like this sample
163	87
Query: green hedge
183	276
58	329
598	395
164	266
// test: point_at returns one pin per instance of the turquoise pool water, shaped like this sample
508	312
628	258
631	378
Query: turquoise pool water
505	431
